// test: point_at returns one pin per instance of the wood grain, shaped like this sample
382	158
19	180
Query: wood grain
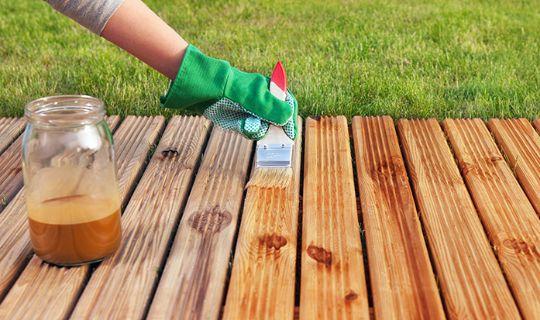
10	128
14	239
470	277
537	124
332	275
11	176
508	217
402	280
51	291
11	179
194	277
263	275
521	145
121	286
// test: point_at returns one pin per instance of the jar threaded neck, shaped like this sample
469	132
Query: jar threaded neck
65	111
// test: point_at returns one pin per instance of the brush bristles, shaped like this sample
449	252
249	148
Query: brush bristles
270	178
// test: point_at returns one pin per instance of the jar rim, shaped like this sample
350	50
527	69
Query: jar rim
65	110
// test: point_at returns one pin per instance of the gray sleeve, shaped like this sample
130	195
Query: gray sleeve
92	14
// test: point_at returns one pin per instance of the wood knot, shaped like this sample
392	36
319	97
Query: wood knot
495	158
320	255
522	247
211	221
468	168
390	168
169	153
16	170
272	241
351	296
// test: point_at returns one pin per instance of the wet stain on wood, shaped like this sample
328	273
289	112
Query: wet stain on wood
211	220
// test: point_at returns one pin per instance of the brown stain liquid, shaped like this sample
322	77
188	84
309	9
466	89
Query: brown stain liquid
75	229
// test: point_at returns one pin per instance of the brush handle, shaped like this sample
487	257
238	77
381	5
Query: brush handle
279	78
278	87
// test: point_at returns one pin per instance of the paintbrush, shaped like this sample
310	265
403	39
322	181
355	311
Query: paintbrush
273	154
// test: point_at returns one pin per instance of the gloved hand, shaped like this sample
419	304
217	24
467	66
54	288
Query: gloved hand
231	98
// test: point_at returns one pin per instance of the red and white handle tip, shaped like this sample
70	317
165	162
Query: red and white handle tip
278	81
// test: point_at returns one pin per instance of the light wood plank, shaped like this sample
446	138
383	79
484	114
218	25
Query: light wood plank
402	280
51	291
194	277
332	277
113	122
10	128
122	285
470	277
10	158
263	275
11	177
521	145
508	217
14	239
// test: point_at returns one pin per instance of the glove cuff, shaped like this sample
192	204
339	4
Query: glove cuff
200	82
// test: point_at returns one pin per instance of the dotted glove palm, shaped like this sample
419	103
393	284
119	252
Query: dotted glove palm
231	98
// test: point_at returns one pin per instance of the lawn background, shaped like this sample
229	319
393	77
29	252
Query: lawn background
402	58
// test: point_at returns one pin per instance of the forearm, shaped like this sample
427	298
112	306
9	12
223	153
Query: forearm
132	26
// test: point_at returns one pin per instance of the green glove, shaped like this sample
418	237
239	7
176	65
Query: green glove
231	98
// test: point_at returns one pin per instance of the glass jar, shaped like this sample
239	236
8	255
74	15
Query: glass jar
71	188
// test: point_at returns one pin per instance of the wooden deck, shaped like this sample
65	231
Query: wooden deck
408	219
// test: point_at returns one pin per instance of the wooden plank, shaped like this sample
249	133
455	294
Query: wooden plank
402	280
11	176
332	282
470	277
10	159
194	277
521	145
10	128
122	285
51	291
537	124
508	217
263	275
14	239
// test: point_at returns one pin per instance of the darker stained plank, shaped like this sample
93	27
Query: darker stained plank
471	280
263	274
402	280
333	284
508	217
521	144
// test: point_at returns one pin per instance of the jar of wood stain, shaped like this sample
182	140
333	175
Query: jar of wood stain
71	188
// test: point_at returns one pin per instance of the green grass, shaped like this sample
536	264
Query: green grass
402	58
